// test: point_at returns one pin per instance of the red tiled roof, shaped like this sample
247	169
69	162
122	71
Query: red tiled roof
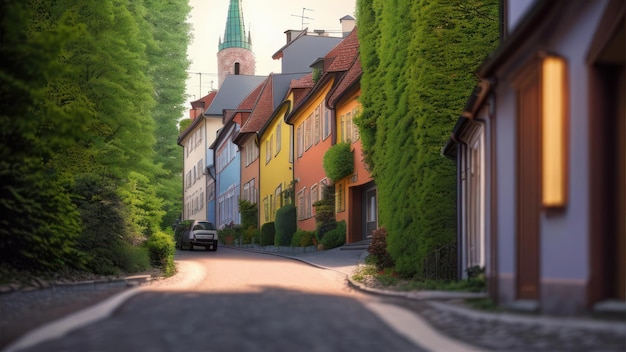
352	76
262	109
343	54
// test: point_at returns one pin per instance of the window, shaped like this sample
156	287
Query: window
349	128
314	198
308	138
268	149
355	128
236	68
278	138
301	209
278	193
316	127
339	197
342	128
251	152
326	113
266	210
300	140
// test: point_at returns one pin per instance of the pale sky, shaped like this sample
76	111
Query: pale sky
267	20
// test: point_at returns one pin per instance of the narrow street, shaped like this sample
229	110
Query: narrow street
233	300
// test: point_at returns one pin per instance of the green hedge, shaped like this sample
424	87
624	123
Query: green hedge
161	250
285	224
413	89
268	233
335	237
302	238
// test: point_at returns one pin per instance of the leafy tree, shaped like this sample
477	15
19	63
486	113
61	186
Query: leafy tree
39	223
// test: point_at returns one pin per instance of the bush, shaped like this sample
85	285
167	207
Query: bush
249	214
228	235
251	235
335	237
302	238
267	234
161	249
378	249
132	259
338	161
285	224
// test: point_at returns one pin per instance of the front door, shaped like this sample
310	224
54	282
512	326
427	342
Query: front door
371	212
528	183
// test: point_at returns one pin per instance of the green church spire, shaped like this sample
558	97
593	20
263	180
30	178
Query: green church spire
235	33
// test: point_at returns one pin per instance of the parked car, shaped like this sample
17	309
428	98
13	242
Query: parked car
190	233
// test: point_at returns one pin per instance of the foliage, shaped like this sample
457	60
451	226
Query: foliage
267	234
378	249
413	88
285	224
89	91
161	248
302	238
249	214
325	212
335	237
251	235
338	161
184	124
230	235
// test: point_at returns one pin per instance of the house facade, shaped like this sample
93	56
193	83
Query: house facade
356	200
545	136
195	140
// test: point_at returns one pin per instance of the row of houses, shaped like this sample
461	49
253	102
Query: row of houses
539	148
263	138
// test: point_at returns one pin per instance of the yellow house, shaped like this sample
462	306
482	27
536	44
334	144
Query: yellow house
276	154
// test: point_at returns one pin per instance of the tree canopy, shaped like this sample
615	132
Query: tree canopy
91	92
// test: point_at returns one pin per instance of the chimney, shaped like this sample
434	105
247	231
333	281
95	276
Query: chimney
292	34
347	24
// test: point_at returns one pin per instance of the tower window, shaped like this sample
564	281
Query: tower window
236	68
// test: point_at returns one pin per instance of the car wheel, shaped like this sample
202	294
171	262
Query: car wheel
191	247
214	248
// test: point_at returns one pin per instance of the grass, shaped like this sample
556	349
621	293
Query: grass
387	278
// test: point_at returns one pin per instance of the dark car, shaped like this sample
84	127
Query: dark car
190	233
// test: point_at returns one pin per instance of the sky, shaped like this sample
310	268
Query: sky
267	20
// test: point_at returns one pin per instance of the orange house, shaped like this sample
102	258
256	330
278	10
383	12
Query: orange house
314	124
356	194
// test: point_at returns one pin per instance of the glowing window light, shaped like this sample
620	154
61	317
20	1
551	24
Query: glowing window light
554	116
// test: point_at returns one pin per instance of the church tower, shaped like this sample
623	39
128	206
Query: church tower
235	56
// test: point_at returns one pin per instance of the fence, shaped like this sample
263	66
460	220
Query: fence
442	264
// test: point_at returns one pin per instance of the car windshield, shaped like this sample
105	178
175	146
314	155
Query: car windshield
203	225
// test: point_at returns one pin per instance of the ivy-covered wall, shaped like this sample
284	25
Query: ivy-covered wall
418	60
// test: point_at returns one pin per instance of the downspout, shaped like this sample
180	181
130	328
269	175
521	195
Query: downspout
460	164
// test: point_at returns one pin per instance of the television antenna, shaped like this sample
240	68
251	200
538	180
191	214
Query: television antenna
199	74
302	17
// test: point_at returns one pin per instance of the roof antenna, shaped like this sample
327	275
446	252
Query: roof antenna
302	17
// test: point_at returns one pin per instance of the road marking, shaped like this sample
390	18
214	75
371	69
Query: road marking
416	330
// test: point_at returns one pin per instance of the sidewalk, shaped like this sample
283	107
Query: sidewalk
453	320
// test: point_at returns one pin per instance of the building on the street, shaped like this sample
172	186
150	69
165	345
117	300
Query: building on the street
541	155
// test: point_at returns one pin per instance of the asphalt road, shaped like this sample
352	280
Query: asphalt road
233	300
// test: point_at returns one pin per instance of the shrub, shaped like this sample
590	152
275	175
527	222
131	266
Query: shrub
161	249
267	234
378	249
132	259
335	237
302	238
228	235
250	235
249	214
285	224
338	161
